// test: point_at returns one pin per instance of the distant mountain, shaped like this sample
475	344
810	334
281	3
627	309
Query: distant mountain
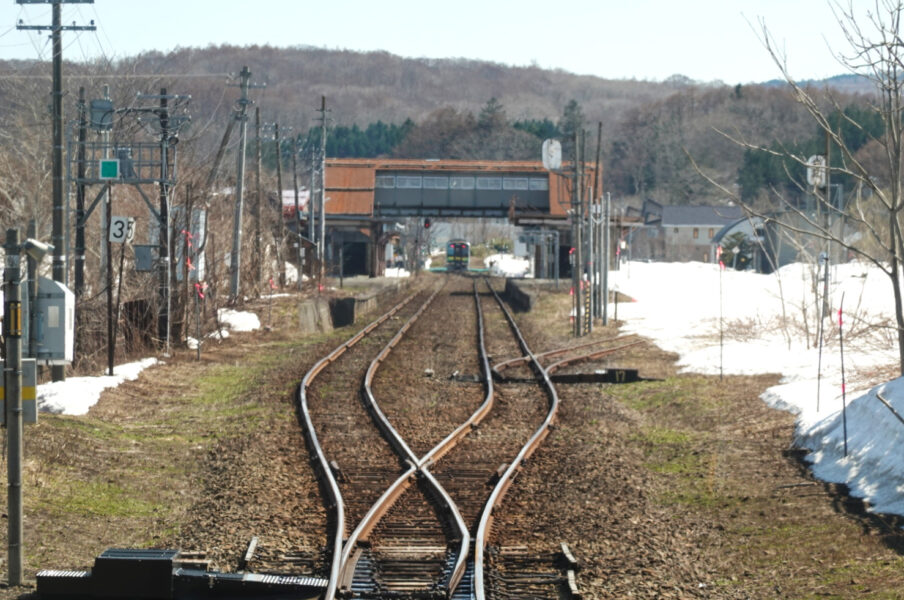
650	130
364	87
849	83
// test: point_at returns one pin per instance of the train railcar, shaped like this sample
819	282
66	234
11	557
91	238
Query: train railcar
458	255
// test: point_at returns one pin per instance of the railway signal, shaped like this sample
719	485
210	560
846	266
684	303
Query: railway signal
427	223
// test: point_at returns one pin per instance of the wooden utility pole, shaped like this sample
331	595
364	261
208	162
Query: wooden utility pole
242	117
298	254
12	333
236	257
56	27
258	212
80	197
596	272
281	241
164	267
577	215
322	245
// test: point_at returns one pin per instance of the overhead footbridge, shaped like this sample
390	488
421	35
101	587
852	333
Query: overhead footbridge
364	195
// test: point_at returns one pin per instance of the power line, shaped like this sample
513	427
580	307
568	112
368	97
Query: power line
59	266
104	31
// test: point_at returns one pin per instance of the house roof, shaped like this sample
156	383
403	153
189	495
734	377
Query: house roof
700	216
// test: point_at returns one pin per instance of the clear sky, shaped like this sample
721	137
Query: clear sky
705	40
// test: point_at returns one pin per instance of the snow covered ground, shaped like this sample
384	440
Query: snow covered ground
507	265
766	321
763	320
76	395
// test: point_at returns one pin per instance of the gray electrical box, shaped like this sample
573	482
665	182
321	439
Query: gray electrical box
145	256
54	318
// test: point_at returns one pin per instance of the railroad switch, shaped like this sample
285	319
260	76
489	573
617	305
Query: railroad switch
614	376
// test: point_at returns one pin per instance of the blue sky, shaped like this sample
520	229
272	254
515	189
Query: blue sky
618	39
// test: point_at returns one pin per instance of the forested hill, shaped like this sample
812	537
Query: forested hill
384	104
377	86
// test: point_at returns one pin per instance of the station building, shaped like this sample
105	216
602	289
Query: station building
366	197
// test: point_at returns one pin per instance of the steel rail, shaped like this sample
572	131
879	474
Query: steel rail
392	436
385	502
347	561
326	471
500	366
422	465
440	450
591	356
527	450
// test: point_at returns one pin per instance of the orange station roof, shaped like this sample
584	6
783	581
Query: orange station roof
350	182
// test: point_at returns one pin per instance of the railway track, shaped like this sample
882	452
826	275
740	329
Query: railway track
415	539
561	358
492	578
329	397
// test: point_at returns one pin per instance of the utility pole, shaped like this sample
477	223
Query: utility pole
577	215
281	241
322	246
258	212
242	118
607	215
236	257
106	152
312	202
163	265
12	372
298	254
80	197
595	230
58	372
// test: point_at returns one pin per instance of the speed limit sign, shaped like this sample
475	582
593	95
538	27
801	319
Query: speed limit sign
122	229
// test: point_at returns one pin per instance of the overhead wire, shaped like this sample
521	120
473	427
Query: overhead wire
100	27
11	29
32	34
108	61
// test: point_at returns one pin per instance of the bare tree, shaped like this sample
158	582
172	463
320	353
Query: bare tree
867	225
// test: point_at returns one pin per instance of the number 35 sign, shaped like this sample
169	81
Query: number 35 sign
122	229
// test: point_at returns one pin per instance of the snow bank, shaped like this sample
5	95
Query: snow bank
76	395
507	265
679	307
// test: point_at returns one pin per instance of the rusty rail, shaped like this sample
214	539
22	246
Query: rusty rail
527	450
325	471
440	450
591	356
421	465
511	362
385	502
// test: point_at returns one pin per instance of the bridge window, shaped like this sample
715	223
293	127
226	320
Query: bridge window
386	182
436	183
538	184
461	183
408	181
514	183
489	183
